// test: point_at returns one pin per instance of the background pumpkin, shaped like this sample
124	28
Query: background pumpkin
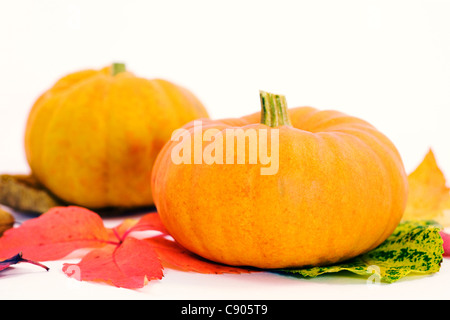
340	190
92	138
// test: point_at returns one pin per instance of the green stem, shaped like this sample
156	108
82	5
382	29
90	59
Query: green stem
274	111
117	68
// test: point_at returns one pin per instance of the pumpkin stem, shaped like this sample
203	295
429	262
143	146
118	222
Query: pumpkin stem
117	68
274	111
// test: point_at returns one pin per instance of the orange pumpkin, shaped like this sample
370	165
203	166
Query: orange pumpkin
93	137
340	188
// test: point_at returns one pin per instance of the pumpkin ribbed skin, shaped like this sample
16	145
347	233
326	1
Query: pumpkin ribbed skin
340	191
93	137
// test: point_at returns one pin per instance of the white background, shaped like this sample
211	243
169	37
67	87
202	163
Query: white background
387	62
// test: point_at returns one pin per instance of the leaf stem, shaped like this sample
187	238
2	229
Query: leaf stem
274	111
117	68
118	236
35	263
19	258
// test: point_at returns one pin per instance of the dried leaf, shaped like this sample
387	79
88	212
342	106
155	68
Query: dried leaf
6	221
429	197
25	193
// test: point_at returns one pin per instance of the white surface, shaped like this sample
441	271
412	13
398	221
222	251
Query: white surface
387	62
29	282
25	281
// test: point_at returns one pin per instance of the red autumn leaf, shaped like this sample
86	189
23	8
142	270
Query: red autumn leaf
446	238
150	221
55	234
174	256
118	257
17	259
129	265
170	252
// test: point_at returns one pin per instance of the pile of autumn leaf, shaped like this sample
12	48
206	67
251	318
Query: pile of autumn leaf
137	251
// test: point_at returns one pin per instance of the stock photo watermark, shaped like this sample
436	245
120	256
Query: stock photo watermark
375	278
229	146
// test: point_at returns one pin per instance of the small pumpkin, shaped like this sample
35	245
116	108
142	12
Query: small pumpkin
340	189
93	137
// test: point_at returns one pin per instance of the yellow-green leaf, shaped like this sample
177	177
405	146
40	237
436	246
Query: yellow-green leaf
429	196
414	247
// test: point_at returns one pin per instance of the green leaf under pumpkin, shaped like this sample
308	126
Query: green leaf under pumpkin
414	246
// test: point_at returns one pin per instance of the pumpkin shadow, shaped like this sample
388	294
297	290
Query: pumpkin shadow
345	277
342	277
21	216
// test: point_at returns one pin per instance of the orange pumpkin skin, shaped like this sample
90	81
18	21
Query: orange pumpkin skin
340	191
93	137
